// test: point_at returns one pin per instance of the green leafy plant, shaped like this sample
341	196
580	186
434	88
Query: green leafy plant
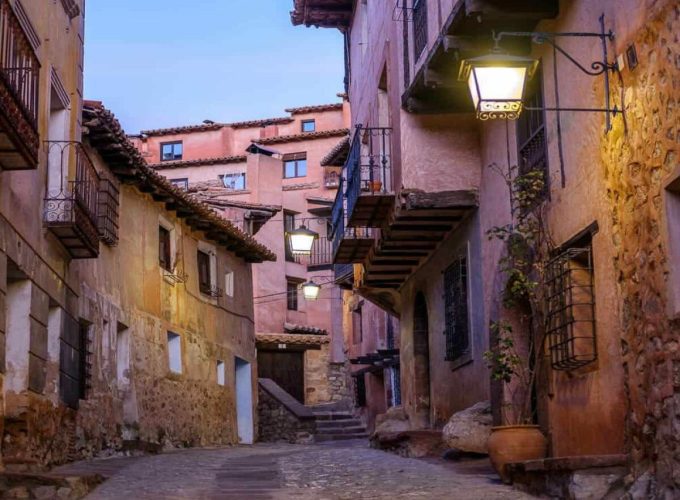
514	358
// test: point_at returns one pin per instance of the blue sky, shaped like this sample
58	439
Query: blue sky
159	63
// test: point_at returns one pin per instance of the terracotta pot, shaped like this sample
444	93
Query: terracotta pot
515	443
375	186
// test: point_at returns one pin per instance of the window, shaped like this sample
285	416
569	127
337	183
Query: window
292	295
456	314
360	390
107	212
229	283
288	225
531	136
308	125
571	304
123	355
182	183
164	253
294	165
220	372
171	151
174	352
357	326
237	182
673	227
204	275
419	26
74	363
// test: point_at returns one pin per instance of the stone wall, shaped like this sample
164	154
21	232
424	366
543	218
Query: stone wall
637	165
339	388
281	417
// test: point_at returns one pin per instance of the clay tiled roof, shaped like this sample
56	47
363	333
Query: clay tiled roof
304	329
214	194
301	339
106	135
336	157
260	123
199	162
304	136
322	13
316	108
183	129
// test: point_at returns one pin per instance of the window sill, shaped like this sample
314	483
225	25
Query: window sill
174	375
461	361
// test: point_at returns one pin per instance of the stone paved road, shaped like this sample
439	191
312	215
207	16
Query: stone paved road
346	470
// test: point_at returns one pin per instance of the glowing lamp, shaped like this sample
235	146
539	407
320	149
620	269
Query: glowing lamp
301	240
310	290
496	83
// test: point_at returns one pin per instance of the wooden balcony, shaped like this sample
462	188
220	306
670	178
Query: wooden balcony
369	192
72	199
19	87
467	32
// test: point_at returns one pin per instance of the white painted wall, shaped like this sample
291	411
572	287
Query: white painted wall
18	335
244	401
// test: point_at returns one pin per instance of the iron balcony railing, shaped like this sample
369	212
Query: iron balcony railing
19	65
322	253
343	271
72	197
338	217
419	26
369	164
107	212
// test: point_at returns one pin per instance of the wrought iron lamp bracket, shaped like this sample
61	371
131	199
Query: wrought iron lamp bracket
601	67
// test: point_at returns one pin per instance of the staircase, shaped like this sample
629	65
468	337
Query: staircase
336	425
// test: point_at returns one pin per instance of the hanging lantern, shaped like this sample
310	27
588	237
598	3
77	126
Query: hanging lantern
310	290
301	240
496	83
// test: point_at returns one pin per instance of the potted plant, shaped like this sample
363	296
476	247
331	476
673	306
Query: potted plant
515	357
375	186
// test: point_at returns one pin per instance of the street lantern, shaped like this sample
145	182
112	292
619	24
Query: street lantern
496	83
310	290
301	240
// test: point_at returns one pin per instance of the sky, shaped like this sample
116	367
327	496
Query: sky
163	63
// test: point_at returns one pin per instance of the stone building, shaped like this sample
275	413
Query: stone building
270	176
113	335
610	197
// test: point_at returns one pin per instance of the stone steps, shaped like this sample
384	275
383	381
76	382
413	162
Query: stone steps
350	422
336	425
320	438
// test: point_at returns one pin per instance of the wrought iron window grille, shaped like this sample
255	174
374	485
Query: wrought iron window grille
107	212
419	27
571	334
174	277
214	292
456	311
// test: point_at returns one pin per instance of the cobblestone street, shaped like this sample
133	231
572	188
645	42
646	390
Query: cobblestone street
348	470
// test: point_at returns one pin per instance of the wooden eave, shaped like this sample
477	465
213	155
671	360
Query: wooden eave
467	33
322	13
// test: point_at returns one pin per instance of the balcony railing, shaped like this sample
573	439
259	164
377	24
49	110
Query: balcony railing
369	174
72	198
19	85
419	27
322	253
350	244
107	212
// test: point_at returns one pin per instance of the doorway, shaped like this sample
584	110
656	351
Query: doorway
421	358
286	369
244	401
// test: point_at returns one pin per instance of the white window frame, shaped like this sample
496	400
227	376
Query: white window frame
228	282
174	343
221	372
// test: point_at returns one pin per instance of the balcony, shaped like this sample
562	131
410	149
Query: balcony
322	255
350	244
369	177
19	86
72	199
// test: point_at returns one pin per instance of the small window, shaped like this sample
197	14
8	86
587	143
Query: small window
204	277
292	292
357	326
288	225
360	390
220	372
174	353
229	283
294	165
237	182
182	183
171	151
456	311
164	255
308	125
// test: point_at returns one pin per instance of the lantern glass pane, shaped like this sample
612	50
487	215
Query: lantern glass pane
311	292
301	243
498	83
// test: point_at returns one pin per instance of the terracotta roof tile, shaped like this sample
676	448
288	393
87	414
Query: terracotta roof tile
260	123
199	162
304	136
106	135
291	339
183	129
336	157
315	108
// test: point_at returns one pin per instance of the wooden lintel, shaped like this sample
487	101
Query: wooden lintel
464	198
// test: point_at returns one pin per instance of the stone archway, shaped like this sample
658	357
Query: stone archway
421	361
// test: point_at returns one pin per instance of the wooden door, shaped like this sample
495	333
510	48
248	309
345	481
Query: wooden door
286	368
